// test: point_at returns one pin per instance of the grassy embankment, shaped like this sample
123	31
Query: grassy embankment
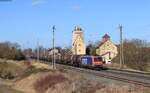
14	71
8	72
33	77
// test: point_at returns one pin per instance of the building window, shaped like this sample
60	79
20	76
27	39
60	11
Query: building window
79	45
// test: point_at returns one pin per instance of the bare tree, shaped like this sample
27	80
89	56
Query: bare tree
136	53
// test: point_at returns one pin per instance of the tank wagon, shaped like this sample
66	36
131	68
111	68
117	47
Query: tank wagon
84	61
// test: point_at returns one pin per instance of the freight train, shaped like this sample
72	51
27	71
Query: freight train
83	61
77	60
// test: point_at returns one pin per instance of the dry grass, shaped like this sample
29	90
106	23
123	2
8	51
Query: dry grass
148	67
95	87
86	86
57	82
10	70
2	60
49	81
29	63
42	82
117	66
8	89
122	89
39	80
26	84
114	65
36	64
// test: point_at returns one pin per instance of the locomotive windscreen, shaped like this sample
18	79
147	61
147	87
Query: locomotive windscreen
98	59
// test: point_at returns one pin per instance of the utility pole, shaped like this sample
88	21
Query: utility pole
53	38
121	47
44	55
38	51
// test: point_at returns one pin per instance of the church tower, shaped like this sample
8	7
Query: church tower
106	37
78	45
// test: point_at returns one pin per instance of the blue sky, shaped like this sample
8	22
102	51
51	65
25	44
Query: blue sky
27	21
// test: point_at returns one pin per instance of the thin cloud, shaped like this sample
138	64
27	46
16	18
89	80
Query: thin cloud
76	7
38	3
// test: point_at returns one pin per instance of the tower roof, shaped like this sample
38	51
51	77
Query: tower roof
106	36
78	29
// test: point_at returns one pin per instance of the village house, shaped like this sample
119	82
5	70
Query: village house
56	50
107	49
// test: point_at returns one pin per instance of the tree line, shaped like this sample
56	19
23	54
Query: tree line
136	52
11	51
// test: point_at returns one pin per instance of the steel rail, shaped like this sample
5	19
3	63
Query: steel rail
145	73
107	76
92	72
130	74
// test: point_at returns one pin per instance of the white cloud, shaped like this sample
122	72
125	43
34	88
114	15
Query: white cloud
38	3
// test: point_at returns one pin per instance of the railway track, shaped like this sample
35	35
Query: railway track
129	71
100	75
130	74
141	79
